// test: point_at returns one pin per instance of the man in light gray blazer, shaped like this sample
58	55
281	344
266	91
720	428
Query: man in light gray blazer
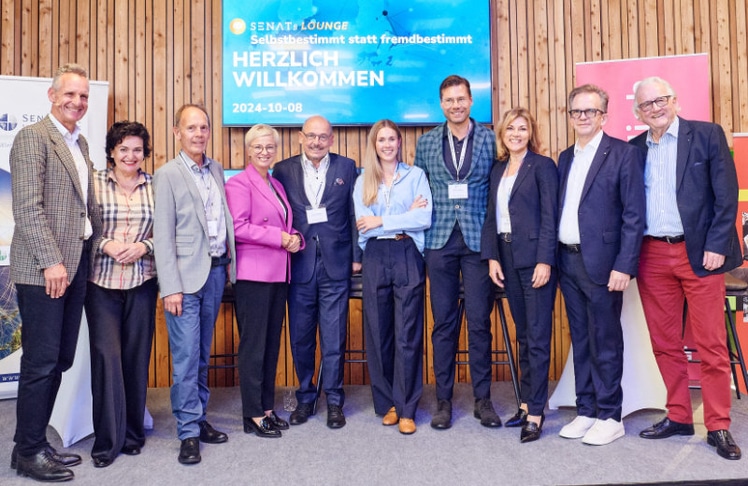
57	221
193	236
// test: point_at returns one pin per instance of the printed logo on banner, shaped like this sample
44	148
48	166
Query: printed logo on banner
8	122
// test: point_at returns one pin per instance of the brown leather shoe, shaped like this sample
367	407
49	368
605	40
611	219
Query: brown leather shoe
390	418
407	426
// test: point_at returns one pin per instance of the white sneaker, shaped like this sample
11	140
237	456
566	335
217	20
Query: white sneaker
604	432
577	427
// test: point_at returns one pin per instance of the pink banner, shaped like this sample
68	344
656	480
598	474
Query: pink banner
689	76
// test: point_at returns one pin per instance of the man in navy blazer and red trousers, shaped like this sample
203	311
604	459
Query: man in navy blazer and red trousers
691	240
601	207
319	186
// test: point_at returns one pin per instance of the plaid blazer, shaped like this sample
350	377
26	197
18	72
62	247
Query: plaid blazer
471	212
48	205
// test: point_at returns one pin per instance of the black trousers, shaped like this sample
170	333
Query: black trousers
49	335
120	324
260	308
393	280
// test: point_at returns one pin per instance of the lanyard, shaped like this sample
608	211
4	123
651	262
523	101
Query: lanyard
458	165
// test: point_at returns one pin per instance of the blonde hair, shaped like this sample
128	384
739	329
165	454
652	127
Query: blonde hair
373	173
502	153
258	131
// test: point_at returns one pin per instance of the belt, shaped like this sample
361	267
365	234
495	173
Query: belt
573	248
505	237
397	237
220	261
668	239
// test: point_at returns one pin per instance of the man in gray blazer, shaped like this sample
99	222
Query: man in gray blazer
193	236
57	221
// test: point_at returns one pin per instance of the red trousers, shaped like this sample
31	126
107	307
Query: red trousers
665	279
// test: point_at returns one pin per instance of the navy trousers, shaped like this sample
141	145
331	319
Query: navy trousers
321	301
445	266
532	312
597	339
393	280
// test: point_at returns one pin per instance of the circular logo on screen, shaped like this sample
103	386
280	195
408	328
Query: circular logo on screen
237	26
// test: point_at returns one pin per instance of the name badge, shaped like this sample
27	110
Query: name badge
458	190
212	228
318	215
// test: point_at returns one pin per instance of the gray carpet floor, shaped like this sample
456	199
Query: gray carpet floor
366	453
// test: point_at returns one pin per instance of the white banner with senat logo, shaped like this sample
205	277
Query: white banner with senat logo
27	103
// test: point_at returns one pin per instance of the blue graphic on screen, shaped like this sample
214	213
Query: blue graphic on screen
355	62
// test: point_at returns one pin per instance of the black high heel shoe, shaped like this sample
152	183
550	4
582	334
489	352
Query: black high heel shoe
263	429
531	431
518	420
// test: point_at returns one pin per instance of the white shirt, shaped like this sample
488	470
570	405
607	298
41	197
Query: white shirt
568	230
503	222
81	166
314	178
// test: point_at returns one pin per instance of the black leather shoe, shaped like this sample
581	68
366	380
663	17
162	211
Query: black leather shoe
485	413
666	428
531	431
42	467
335	417
726	446
102	461
189	452
263	429
301	414
130	450
209	435
518	419
442	419
276	422
64	459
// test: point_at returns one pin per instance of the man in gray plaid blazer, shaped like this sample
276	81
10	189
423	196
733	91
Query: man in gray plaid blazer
457	157
57	221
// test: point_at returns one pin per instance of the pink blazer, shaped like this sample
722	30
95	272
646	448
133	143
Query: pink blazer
258	222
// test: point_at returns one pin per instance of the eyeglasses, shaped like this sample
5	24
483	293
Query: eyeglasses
268	148
312	136
588	113
455	101
660	101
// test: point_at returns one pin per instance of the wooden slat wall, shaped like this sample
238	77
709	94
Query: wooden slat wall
158	54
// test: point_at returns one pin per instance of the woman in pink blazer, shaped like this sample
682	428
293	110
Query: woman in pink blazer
264	241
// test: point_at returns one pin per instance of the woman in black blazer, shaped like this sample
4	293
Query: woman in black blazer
519	241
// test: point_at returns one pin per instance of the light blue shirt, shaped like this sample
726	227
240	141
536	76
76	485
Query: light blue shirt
393	206
210	193
663	218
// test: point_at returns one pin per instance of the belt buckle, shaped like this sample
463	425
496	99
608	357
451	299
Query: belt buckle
400	236
506	237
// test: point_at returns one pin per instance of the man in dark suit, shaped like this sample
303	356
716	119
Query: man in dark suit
319	186
601	203
691	240
457	157
193	241
57	222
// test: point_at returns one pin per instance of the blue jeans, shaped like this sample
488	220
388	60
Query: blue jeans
190	338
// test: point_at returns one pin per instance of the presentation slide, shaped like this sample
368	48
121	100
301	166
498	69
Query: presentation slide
354	62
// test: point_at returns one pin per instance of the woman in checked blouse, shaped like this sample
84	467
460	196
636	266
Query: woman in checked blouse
121	295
